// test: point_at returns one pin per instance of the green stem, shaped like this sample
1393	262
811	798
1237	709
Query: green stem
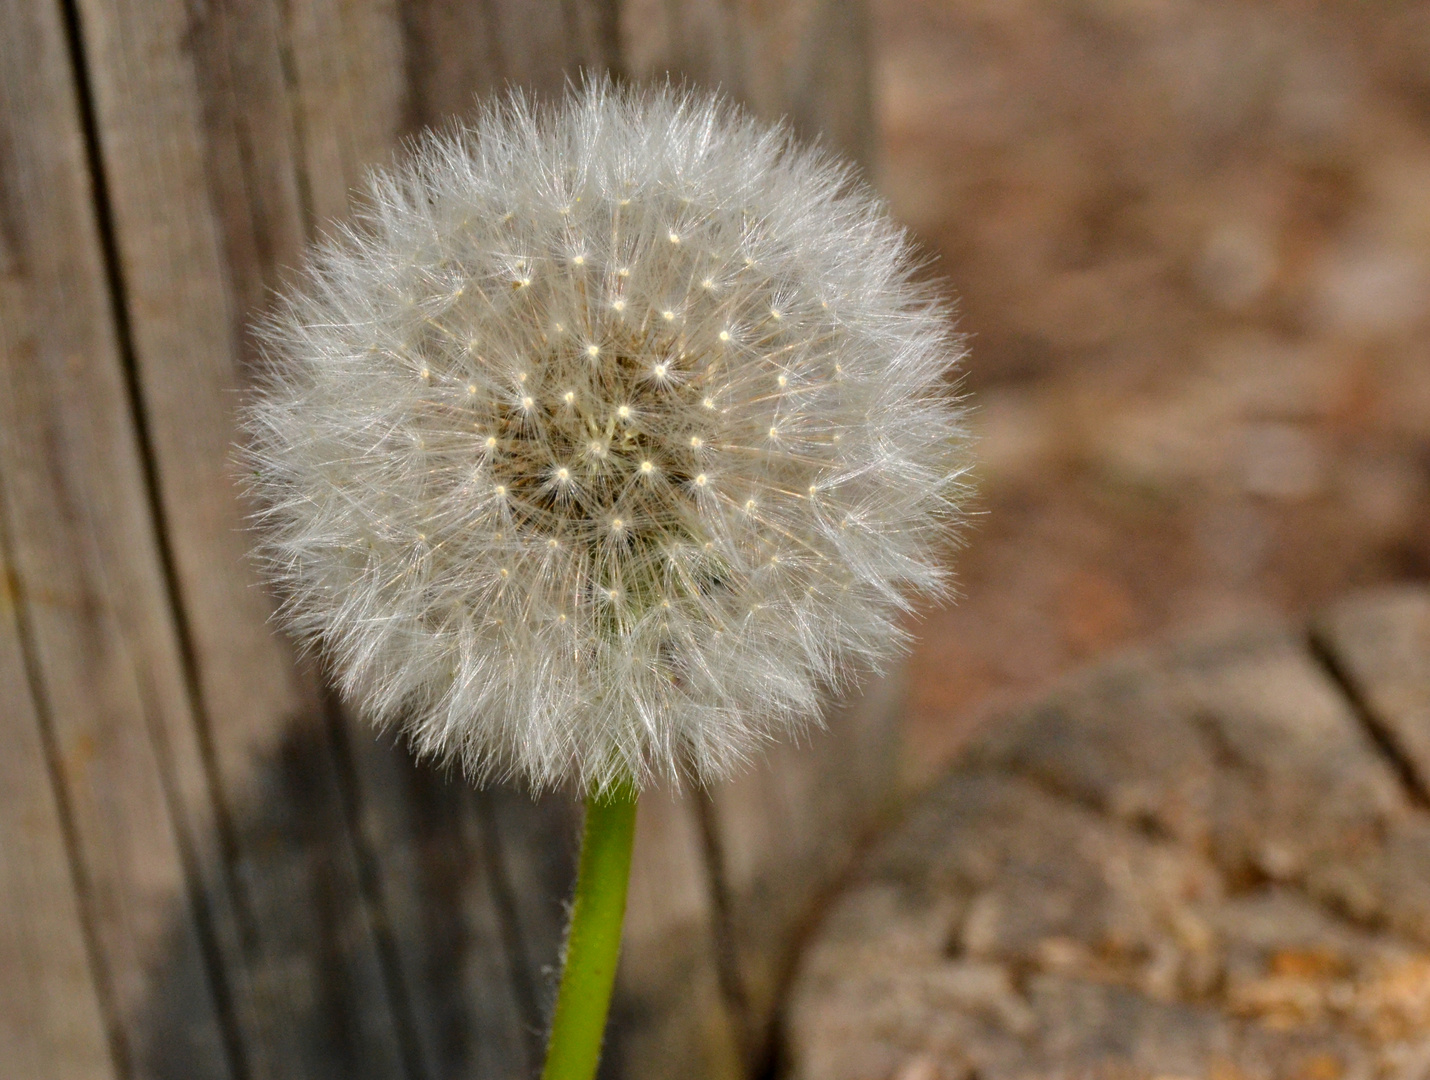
593	938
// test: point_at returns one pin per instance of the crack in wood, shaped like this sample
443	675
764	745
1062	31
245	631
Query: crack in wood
519	953
399	1001
118	296
35	685
727	952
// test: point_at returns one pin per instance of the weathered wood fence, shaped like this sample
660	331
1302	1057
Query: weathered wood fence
207	872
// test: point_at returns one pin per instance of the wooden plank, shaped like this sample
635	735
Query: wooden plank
779	835
810	60
222	136
348	95
437	871
540	46
536	46
805	60
694	40
669	1018
186	332
443	81
313	995
535	843
228	136
51	1026
87	573
786	830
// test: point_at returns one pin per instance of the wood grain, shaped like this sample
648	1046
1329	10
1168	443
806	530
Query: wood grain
781	834
438	871
670	1018
785	833
51	1026
265	890
87	573
802	60
535	46
179	101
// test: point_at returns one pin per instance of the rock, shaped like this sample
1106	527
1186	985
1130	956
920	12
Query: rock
1210	860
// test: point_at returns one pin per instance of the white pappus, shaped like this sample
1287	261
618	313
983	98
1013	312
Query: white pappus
607	440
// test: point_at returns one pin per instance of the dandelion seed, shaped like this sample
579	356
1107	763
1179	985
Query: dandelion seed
615	487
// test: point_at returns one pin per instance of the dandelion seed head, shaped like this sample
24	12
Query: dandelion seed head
588	603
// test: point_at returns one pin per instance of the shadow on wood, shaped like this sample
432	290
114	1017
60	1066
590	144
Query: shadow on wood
462	890
391	922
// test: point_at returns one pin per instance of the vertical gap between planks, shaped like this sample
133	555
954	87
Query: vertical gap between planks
416	20
123	334
523	979
399	1000
243	146
491	18
596	51
608	30
79	881
288	65
727	952
404	1021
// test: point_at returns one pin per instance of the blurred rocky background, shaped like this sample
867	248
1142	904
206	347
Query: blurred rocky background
1191	241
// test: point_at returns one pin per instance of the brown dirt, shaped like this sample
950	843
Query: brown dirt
1191	240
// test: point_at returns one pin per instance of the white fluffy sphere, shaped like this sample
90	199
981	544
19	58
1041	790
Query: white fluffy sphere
609	439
